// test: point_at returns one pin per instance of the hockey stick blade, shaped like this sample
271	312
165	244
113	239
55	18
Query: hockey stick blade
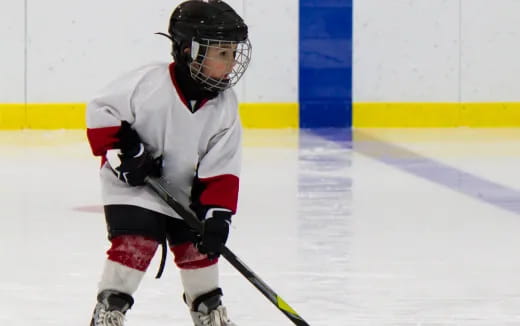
257	282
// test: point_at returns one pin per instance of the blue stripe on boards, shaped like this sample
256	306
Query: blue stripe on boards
325	70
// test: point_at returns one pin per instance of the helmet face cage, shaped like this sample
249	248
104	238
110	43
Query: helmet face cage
202	63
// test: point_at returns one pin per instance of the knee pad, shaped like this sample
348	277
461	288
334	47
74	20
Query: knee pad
187	256
133	251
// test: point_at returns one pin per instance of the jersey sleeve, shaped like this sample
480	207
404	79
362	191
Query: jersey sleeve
217	182
106	111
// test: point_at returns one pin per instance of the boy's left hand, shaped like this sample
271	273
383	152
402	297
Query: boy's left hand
215	230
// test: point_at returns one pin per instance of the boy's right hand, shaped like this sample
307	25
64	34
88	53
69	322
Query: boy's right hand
131	162
133	168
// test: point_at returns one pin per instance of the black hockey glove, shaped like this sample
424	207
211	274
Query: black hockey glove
215	230
131	162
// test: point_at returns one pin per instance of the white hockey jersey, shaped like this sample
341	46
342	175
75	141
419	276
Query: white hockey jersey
204	143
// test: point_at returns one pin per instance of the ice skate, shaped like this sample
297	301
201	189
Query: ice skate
207	310
111	308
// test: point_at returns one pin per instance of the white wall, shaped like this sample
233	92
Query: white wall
490	50
12	51
436	50
404	50
76	47
273	75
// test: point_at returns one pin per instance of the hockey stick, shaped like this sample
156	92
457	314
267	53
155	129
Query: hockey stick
194	223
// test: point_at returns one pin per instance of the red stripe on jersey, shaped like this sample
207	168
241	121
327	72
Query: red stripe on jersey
177	88
220	191
201	104
198	105
133	251
187	256
102	139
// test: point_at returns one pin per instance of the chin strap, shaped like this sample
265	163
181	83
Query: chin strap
164	34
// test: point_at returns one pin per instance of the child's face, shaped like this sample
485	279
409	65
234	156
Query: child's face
219	61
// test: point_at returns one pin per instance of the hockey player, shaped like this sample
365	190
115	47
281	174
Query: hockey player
178	121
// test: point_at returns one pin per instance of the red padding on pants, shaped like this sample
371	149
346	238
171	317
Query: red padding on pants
188	257
133	251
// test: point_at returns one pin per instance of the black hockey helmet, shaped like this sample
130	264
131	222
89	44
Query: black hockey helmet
201	24
213	19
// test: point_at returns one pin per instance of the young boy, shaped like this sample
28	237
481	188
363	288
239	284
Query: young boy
178	121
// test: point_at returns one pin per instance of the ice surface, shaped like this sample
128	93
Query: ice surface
329	219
